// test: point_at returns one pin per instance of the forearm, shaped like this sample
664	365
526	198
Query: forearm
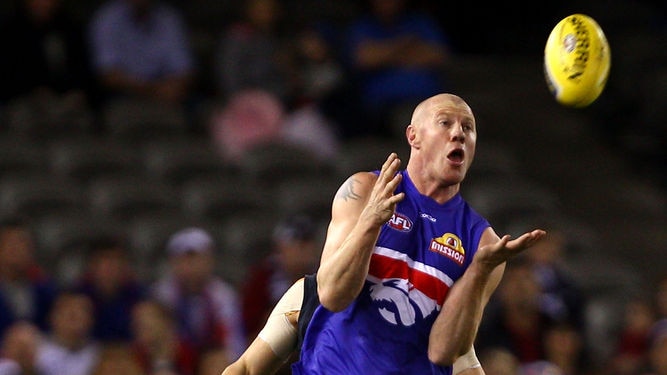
455	328
341	277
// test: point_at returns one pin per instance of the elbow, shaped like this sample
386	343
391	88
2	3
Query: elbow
331	300
442	356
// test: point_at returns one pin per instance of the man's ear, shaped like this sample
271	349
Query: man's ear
411	135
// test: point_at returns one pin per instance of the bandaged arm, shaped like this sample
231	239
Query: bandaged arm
276	341
280	331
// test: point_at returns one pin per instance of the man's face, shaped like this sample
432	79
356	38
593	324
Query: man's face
193	269
444	135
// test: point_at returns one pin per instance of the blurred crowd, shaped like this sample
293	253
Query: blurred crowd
110	321
240	73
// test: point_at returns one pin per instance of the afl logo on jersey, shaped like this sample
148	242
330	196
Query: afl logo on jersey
450	246
400	222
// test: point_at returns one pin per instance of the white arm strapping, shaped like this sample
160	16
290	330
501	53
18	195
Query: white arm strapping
278	332
466	361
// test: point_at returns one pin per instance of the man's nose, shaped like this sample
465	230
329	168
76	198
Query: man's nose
457	133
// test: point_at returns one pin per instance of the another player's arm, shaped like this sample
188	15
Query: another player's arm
455	328
361	206
276	341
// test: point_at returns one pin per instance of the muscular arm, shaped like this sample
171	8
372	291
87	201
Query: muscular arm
361	206
455	328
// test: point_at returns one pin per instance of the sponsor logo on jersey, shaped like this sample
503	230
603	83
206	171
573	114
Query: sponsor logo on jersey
400	222
450	246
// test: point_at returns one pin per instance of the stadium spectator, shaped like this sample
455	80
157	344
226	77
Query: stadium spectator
562	297
19	347
207	308
44	53
253	54
631	351
26	289
565	347
141	49
113	287
158	348
513	319
398	56
68	347
658	348
294	254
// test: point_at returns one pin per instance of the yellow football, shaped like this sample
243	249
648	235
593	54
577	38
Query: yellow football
577	60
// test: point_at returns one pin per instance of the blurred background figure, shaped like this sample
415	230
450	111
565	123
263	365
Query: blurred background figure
398	55
253	53
157	346
112	286
68	347
206	307
19	347
247	119
45	55
658	348
513	319
631	350
565	347
141	50
562	297
273	76
26	290
295	253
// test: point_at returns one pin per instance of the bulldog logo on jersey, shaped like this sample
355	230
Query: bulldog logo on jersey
398	303
450	246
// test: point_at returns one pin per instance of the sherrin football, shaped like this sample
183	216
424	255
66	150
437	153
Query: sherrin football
577	61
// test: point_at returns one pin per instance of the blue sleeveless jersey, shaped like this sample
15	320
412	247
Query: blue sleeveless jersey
421	251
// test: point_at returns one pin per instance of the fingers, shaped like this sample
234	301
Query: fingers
526	240
389	168
383	199
389	177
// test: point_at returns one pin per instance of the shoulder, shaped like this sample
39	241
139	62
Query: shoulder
355	184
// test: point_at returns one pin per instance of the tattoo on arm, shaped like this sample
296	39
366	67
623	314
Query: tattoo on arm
347	190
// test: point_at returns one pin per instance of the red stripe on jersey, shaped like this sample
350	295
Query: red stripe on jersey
384	267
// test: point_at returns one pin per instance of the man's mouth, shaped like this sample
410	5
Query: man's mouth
456	156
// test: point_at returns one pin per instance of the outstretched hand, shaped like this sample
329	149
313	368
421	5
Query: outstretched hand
382	200
494	254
